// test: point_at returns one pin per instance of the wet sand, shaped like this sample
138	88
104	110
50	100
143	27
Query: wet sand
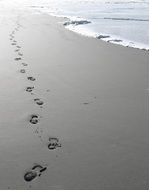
73	110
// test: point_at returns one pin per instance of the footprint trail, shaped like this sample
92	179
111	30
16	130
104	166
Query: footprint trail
53	142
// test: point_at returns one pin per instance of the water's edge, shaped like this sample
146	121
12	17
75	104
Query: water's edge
74	24
79	25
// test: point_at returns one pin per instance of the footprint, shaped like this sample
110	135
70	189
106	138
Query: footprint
24	64
34	172
86	103
31	78
34	119
17	59
18	47
20	54
13	44
53	143
29	176
29	88
17	50
22	71
38	101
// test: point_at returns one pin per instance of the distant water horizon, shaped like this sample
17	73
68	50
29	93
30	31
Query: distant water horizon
121	22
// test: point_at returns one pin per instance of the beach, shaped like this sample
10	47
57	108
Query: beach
88	97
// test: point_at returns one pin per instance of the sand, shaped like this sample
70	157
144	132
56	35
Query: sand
73	110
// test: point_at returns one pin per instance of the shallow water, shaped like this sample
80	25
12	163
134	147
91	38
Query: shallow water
126	22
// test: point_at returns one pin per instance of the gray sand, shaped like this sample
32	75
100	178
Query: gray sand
96	102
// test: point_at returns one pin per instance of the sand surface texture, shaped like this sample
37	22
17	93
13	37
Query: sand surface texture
74	111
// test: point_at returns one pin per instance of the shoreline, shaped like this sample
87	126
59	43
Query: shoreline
73	23
106	37
89	97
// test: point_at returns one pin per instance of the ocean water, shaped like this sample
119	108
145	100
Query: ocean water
122	22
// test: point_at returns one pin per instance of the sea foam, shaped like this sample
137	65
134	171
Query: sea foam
120	22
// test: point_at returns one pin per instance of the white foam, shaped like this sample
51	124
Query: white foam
126	22
86	31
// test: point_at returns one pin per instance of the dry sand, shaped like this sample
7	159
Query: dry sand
95	100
